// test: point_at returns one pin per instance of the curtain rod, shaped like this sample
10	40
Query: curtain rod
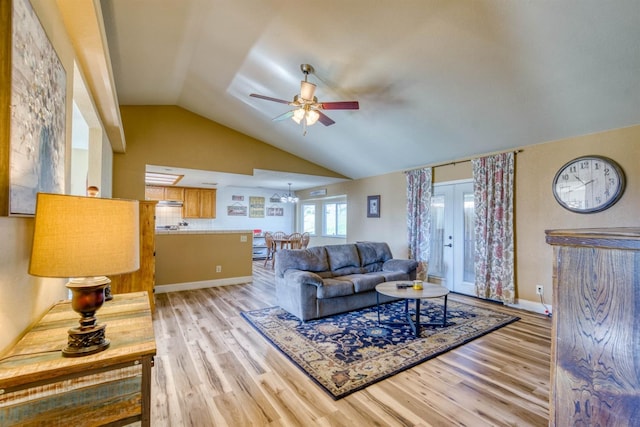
455	162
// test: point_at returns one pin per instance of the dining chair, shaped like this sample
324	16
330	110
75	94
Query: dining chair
304	240
280	238
295	241
271	248
279	235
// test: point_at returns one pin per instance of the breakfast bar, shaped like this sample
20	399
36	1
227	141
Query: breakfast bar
194	256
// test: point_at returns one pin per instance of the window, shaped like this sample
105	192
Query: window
335	219
309	218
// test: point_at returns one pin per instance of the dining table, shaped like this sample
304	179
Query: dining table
283	242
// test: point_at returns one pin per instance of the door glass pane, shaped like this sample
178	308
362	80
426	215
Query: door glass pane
469	238
436	264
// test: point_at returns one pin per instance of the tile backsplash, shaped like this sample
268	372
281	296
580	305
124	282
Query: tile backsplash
168	215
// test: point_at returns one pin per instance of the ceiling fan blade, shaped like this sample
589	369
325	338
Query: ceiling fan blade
284	116
268	98
340	105
324	119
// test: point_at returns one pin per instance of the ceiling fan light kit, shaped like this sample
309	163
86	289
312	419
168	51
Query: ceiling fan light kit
307	111
307	90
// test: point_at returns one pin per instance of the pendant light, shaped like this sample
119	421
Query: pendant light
289	198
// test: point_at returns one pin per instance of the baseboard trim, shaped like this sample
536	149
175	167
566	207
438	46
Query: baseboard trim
188	286
535	306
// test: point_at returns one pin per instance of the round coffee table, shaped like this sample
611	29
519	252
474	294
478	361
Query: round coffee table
398	289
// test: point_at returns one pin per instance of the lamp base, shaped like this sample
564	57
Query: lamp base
87	297
84	342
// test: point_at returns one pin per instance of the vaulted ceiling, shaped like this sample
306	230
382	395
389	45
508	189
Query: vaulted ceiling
437	80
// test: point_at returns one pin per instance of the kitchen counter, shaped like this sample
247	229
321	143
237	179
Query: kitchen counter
201	231
186	259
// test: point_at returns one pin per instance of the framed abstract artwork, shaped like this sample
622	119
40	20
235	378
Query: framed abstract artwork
33	149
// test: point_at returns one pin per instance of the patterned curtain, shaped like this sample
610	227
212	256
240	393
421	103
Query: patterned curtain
419	218
493	181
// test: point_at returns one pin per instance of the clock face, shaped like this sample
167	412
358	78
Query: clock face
588	184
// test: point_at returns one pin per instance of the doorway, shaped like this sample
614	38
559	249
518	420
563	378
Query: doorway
451	261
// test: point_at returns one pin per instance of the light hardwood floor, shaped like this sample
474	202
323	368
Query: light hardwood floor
213	369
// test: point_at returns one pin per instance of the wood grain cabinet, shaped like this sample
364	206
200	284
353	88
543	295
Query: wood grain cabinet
40	387
154	192
595	354
199	203
143	279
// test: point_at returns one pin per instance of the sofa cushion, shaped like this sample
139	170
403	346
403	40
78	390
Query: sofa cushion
343	258
332	288
390	276
312	259
381	250
364	282
404	265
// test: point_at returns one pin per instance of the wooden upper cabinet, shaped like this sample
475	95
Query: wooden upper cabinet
153	192
173	193
207	203
199	203
191	207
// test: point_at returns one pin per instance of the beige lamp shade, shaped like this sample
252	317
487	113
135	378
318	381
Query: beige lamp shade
84	236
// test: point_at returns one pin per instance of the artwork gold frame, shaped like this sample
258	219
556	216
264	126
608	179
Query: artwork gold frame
32	111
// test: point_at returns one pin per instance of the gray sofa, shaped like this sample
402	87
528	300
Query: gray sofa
325	280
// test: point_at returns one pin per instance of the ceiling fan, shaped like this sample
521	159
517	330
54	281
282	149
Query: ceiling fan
307	108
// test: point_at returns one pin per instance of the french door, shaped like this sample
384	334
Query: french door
451	261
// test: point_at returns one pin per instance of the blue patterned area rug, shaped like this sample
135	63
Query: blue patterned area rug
348	352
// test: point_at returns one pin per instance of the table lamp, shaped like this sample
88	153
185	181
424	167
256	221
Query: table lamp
85	239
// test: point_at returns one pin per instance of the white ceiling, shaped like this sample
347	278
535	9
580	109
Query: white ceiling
260	179
437	80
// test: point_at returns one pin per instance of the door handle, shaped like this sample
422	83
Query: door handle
449	245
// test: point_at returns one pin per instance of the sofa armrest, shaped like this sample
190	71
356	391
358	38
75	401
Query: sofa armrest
401	265
301	277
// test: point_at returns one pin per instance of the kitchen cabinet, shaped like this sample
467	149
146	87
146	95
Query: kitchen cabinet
173	193
144	278
154	192
199	203
595	347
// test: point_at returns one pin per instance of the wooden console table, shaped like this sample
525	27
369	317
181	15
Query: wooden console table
595	357
38	386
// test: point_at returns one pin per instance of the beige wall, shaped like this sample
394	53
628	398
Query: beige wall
23	298
536	209
172	136
182	258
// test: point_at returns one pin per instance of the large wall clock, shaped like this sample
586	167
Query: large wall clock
589	184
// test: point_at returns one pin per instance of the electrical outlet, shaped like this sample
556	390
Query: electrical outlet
539	290
218	269
243	237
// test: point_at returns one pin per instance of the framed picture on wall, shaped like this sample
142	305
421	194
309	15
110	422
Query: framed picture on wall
275	211
373	206
37	118
236	209
256	207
